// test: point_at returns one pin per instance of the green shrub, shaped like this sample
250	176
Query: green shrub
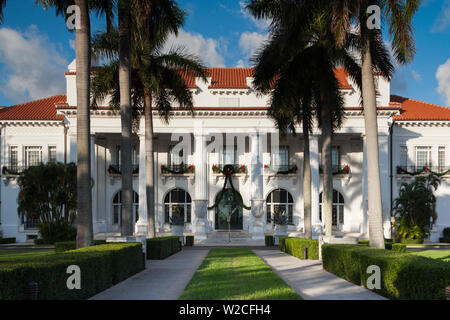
101	267
189	241
446	233
399	247
411	241
269	240
444	240
295	247
65	246
403	275
163	247
7	240
388	244
282	243
60	231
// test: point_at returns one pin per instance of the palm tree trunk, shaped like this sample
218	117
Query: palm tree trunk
306	179
126	117
374	210
84	195
149	165
327	193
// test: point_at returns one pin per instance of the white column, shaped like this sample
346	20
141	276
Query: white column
94	183
315	183
141	226
200	226
365	222
73	153
384	161
257	201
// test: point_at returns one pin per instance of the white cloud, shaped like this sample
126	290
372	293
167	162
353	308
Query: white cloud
250	42
443	21
72	43
443	77
416	76
205	48
261	24
32	66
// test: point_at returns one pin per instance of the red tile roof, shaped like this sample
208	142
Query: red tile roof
43	109
418	110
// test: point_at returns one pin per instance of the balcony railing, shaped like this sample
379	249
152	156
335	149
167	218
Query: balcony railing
337	169
235	168
31	224
116	169
12	170
416	170
281	169
177	169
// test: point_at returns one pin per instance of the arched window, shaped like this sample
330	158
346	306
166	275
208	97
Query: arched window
282	199
177	199
338	208
117	207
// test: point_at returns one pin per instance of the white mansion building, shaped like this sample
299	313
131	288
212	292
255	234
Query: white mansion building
268	166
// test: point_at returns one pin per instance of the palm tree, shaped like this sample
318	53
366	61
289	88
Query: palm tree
291	19
83	60
2	6
125	116
309	51
153	74
398	15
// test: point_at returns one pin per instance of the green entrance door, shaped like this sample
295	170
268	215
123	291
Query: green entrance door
228	207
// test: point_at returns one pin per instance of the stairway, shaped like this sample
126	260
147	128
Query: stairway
234	238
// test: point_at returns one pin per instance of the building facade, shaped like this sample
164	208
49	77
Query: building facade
229	130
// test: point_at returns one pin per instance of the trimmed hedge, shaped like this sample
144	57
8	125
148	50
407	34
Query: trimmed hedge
101	267
446	232
189	241
269	240
163	247
389	245
403	275
72	245
444	240
7	240
295	246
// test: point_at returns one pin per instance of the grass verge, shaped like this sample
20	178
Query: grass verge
9	255
236	274
443	255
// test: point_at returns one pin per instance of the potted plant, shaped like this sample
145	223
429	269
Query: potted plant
177	222
280	220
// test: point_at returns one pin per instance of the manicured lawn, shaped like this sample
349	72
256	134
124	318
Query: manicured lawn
7	255
443	255
236	274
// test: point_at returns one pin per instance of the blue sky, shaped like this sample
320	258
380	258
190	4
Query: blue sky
35	47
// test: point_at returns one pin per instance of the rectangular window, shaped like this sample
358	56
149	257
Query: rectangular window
135	157
423	157
230	155
13	158
441	158
33	156
336	158
52	154
118	156
403	156
176	156
280	158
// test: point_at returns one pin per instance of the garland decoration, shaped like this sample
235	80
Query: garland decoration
425	169
228	170
236	168
181	169
344	170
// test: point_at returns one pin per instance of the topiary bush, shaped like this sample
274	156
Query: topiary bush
295	247
269	240
7	240
403	275
101	267
163	247
446	233
189	241
65	246
59	231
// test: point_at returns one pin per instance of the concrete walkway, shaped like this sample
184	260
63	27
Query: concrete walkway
310	281
161	280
